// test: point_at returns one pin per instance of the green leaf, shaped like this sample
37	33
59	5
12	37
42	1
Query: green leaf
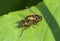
46	30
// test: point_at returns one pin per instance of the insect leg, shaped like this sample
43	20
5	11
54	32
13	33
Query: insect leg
33	26
22	32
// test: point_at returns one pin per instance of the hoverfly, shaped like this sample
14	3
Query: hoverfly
29	20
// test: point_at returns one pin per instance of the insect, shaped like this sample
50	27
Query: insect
29	20
34	17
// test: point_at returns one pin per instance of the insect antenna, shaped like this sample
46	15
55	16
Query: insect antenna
21	33
30	10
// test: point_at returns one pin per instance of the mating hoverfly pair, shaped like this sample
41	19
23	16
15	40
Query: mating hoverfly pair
29	20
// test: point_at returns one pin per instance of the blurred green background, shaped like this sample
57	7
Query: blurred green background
13	5
12	11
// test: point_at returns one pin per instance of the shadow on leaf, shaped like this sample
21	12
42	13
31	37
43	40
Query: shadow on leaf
50	21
